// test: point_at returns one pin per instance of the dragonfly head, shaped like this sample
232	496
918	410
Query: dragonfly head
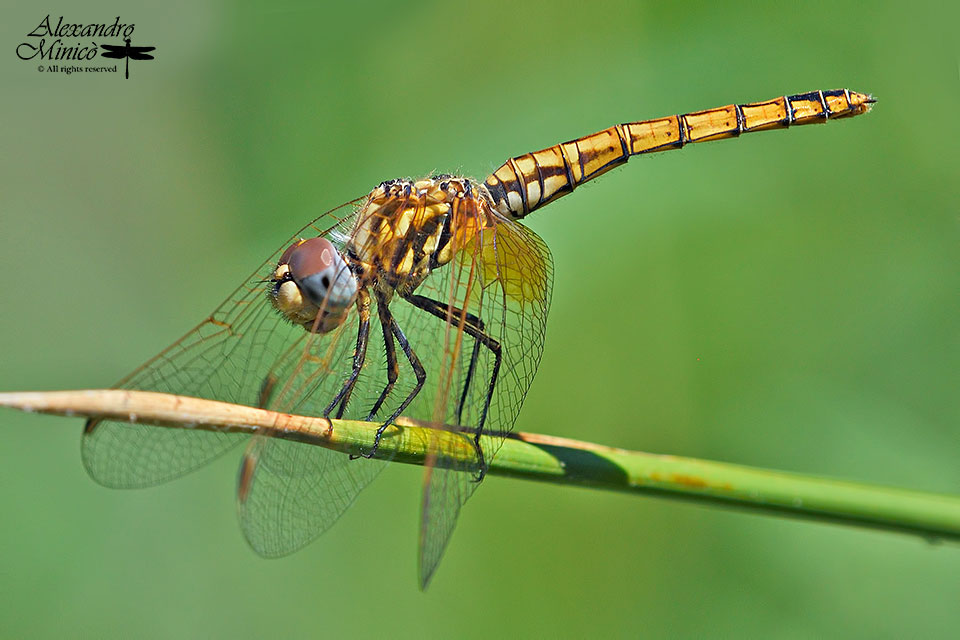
313	286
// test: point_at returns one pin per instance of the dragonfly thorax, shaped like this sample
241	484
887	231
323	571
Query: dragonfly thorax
408	228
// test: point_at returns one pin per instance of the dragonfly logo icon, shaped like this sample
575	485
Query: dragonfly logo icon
126	52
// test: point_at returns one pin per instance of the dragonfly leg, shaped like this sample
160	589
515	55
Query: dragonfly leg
474	327
440	310
393	367
418	370
359	356
469	378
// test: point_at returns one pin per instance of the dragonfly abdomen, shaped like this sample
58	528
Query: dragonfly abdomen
530	181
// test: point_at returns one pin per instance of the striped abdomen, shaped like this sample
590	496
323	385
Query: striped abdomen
530	181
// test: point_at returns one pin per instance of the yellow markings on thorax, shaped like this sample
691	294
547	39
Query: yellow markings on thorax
407	228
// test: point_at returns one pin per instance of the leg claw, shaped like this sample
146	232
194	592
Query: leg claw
364	454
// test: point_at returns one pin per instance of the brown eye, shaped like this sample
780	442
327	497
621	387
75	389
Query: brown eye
321	273
285	258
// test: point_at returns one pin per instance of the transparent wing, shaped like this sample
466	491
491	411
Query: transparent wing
498	287
226	357
296	493
246	353
290	493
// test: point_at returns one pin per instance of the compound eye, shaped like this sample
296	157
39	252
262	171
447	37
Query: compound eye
322	274
285	258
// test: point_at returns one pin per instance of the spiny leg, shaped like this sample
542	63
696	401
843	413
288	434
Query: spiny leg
469	378
393	367
437	310
472	326
359	356
418	370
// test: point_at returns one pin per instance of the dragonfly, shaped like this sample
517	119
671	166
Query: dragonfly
426	299
127	53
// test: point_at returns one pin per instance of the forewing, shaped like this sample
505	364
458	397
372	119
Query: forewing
290	493
227	357
502	275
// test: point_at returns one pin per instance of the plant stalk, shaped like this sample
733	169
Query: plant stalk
535	457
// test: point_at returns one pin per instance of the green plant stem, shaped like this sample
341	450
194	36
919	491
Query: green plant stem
544	458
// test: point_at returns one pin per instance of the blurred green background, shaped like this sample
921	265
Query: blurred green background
788	300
